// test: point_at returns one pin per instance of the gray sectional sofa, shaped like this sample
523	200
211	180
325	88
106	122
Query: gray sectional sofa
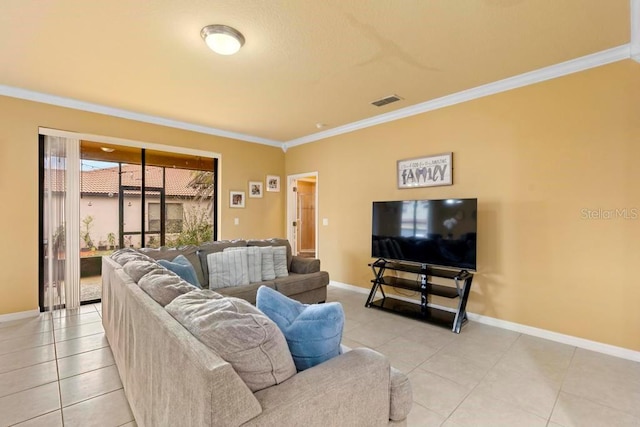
171	378
305	282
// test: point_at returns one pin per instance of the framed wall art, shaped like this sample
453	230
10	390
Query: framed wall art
429	171
236	199
255	189
273	183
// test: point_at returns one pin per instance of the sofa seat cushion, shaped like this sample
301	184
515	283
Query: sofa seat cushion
239	333
164	286
401	396
313	332
298	283
247	292
190	252
183	268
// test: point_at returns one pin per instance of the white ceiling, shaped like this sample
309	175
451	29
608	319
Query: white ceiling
304	62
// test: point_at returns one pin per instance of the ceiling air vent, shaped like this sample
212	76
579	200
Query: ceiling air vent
386	100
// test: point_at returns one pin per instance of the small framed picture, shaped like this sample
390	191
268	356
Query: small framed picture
255	189
273	183
236	199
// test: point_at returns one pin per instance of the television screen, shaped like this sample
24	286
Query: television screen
434	232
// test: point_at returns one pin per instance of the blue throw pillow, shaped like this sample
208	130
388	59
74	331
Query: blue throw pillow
313	332
183	268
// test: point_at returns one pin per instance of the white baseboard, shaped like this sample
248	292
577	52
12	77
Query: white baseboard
623	353
19	315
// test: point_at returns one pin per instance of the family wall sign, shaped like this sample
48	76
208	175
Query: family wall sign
427	171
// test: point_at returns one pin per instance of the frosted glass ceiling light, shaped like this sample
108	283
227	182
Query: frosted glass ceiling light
222	39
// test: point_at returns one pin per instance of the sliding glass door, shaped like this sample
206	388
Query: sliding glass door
98	197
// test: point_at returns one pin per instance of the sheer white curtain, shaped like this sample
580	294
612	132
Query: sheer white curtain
61	214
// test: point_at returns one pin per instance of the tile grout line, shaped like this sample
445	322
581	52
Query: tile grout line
481	379
94	397
57	375
83	336
55	353
92	370
564	377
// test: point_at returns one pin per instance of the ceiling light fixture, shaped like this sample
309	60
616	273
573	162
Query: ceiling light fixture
222	39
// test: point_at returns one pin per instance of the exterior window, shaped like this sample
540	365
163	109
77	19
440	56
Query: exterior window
174	217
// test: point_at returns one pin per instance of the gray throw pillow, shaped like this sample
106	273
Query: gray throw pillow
280	261
254	262
266	258
240	334
211	247
227	269
164	286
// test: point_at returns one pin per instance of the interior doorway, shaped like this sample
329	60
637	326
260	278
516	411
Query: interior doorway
302	213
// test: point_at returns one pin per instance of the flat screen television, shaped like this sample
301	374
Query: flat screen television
433	232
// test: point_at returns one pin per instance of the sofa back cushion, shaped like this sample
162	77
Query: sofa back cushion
190	252
212	247
138	268
239	333
274	242
125	255
164	286
228	268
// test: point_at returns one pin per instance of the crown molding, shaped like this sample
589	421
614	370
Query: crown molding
564	68
75	104
635	30
568	67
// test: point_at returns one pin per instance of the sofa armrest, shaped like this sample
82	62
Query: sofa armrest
302	265
351	389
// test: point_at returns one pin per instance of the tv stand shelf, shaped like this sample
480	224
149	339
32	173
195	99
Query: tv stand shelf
422	310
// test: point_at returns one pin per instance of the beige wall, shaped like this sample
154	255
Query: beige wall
534	157
241	162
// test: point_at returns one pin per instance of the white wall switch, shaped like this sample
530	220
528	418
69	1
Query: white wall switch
236	221
325	221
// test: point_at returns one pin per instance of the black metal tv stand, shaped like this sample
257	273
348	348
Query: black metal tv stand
422	310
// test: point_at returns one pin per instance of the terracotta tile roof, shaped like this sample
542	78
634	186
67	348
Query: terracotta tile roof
105	181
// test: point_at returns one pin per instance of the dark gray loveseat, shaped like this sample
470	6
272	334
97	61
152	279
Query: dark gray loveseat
305	282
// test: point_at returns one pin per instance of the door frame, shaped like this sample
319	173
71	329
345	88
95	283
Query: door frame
291	209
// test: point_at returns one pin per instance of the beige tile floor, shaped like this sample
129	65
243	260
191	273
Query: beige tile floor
487	376
58	370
